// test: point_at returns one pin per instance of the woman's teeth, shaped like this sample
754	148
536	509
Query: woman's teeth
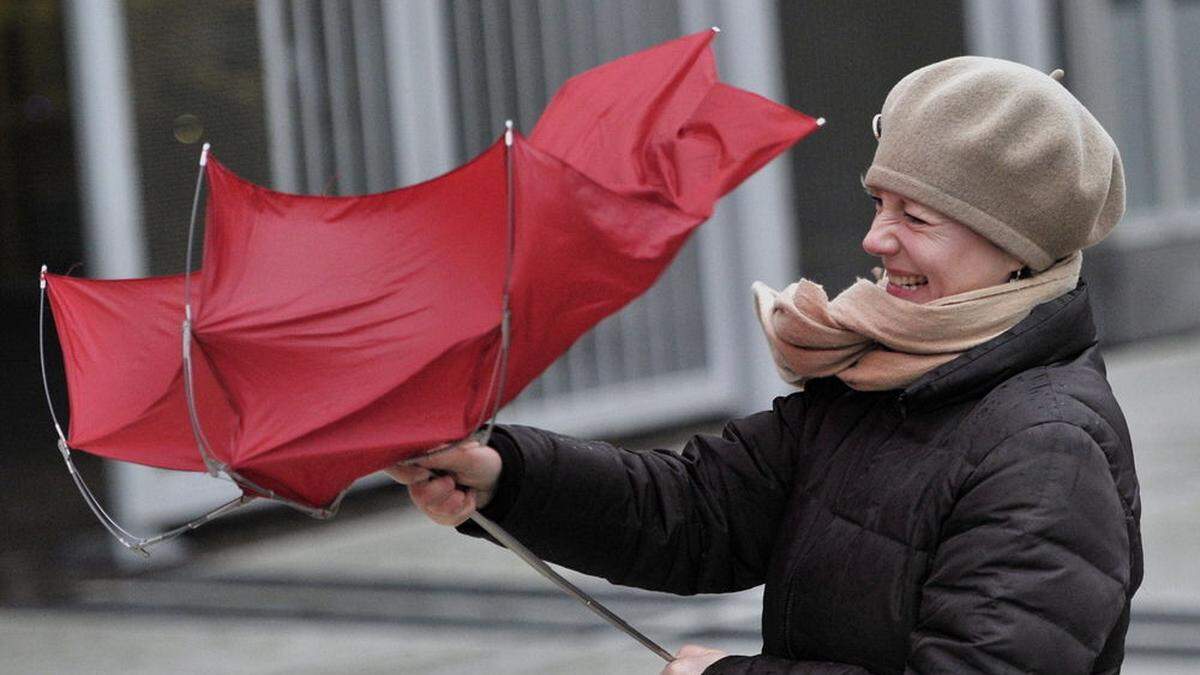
908	281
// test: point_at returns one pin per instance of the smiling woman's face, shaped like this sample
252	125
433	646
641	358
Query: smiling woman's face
927	255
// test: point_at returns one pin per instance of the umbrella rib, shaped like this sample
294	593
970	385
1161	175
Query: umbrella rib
215	466
127	539
500	372
498	533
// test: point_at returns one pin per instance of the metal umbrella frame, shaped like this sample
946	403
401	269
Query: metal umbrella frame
251	490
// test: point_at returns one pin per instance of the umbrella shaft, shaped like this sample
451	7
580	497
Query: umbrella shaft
502	536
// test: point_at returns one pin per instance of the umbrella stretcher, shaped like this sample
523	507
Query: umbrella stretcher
326	338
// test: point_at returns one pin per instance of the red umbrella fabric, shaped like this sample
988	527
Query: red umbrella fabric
121	352
335	336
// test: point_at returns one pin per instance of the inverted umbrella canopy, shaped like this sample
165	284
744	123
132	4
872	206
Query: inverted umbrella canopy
335	336
120	342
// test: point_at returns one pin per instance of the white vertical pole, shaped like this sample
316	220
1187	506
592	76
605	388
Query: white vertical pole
278	94
373	95
342	76
1018	30
1033	34
313	98
114	245
1089	39
759	214
419	81
985	23
1167	127
114	241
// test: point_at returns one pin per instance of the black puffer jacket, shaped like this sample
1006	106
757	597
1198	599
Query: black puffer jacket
984	519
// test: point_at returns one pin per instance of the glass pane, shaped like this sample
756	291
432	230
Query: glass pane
39	207
194	69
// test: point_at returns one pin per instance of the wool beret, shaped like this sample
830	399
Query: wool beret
1005	150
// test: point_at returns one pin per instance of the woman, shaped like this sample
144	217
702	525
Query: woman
953	489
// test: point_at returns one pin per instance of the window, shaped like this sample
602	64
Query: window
1133	63
444	78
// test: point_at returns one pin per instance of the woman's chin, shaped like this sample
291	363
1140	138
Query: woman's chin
920	294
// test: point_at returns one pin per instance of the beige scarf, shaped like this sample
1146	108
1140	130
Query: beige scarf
872	340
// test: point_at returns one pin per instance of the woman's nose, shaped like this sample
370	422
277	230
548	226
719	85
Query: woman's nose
880	240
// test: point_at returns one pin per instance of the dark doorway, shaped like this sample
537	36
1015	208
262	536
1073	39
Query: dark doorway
841	59
40	511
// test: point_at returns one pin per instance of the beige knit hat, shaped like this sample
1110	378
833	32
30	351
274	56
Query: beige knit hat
1005	150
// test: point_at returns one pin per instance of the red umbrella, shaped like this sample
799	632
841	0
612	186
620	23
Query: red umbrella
327	338
330	337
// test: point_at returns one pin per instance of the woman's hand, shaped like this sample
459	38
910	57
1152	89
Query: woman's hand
692	660
448	486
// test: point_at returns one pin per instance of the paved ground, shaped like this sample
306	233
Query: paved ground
1159	389
393	593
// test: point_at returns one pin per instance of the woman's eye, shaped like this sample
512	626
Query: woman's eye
915	220
877	200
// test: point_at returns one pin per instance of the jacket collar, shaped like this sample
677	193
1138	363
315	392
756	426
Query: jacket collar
1054	331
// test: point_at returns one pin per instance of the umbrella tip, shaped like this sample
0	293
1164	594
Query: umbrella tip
820	121
42	277
204	154
508	132
716	29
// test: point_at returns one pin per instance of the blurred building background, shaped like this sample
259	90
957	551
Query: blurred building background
104	105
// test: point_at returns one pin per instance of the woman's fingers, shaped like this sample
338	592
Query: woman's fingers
468	507
475	465
448	485
442	500
426	492
446	502
454	509
455	459
408	474
693	660
693	650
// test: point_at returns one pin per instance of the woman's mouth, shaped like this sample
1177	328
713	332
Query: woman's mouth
905	286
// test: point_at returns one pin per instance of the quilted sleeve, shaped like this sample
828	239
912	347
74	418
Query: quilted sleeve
700	521
1032	568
